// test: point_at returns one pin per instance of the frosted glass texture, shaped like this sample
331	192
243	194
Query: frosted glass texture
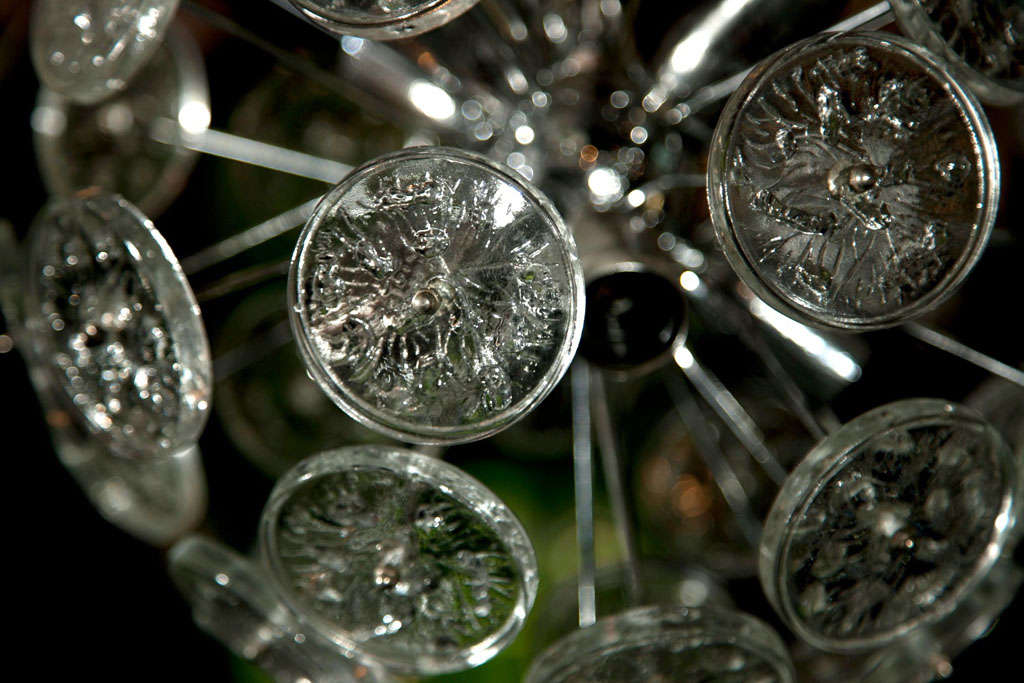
853	184
400	558
382	19
112	318
435	296
889	524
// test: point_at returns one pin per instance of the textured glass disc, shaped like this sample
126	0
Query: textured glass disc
382	19
89	49
667	644
110	314
232	601
983	41
111	145
435	296
399	558
888	524
155	499
852	183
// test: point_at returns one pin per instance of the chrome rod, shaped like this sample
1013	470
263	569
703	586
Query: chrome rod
730	412
242	280
247	239
251	351
872	18
583	480
611	462
730	314
944	342
248	151
714	459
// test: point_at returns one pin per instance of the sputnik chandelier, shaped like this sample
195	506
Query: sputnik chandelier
527	212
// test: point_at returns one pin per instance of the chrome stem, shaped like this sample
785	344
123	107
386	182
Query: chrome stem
247	239
944	342
583	480
725	478
248	151
611	462
729	410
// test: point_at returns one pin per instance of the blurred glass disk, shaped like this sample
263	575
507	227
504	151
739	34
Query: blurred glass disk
89	49
154	499
852	183
1002	404
401	559
983	41
672	582
668	644
889	524
111	144
296	113
232	601
109	313
435	296
270	409
382	19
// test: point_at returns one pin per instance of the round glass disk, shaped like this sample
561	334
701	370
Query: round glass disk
112	317
401	559
888	524
89	49
670	644
852	183
436	297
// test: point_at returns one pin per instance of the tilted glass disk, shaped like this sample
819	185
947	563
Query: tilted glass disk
435	296
667	644
983	41
1002	404
889	524
109	314
231	601
401	559
89	49
927	654
852	183
273	402
111	145
382	19
664	582
155	499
